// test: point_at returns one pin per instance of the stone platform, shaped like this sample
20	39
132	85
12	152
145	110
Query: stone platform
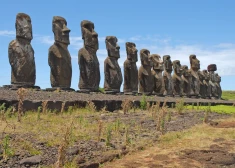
34	99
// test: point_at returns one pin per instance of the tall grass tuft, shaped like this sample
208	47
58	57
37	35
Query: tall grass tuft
21	92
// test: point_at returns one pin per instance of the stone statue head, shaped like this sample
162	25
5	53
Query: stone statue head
131	52
217	78
167	62
185	71
194	62
177	67
206	75
145	57
89	35
157	62
60	30
112	46
23	26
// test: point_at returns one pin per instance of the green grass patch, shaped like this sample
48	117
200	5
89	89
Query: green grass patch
228	95
223	109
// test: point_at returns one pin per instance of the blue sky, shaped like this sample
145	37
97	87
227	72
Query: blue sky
178	28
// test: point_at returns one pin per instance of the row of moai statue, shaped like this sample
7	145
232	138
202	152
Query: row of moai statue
149	79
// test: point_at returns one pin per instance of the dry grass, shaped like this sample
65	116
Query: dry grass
63	146
48	128
200	137
21	95
126	105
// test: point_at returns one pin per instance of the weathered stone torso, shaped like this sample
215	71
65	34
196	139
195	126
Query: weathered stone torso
177	84
195	82
59	60
89	70
113	75
130	76
159	86
146	80
168	83
21	58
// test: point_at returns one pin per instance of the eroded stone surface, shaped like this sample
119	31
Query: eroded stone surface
167	75
130	69
145	77
87	59
218	86
176	79
211	69
202	84
194	68
21	53
157	69
187	80
59	58
112	71
207	86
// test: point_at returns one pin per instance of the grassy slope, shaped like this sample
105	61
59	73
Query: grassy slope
223	109
228	95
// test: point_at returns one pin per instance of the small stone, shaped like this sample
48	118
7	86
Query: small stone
223	159
90	165
73	151
31	160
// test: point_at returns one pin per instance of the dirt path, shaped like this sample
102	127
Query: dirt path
188	152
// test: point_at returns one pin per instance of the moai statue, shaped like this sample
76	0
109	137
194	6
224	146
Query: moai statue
145	77
207	85
167	75
88	62
211	69
217	83
195	66
157	69
187	81
21	54
202	84
59	58
130	69
176	79
112	71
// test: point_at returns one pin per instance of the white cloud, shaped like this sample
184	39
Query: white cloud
7	33
76	42
150	38
45	39
135	38
120	40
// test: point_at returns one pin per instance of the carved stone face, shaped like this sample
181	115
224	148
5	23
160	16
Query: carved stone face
194	62
177	67
89	35
23	26
112	46
206	75
157	62
145	57
186	71
60	30
201	75
167	62
217	77
131	52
